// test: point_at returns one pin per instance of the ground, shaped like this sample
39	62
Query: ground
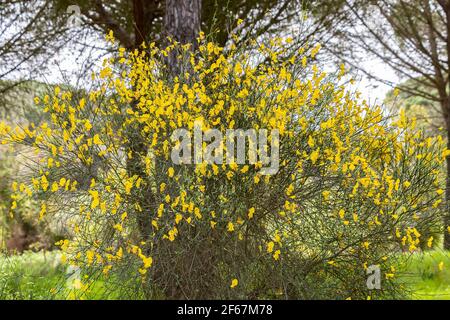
37	275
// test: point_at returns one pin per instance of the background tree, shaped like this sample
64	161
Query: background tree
30	34
427	113
411	37
35	32
182	23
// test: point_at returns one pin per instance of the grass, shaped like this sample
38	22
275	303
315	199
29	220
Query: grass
38	275
427	275
30	275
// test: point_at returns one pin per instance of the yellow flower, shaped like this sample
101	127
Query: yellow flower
97	140
128	186
43	210
251	211
314	156
170	172
87	125
234	283
148	261
107	269
197	213
290	189
62	182
238	68
90	256
142	271
436	203
315	50
276	255
77	284
270	246
311	141
54	187
445	153
94	198
430	242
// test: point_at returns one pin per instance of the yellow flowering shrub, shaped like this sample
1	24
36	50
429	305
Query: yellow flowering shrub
353	188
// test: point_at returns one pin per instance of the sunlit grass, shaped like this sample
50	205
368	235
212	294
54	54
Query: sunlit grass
427	275
38	275
30	275
41	275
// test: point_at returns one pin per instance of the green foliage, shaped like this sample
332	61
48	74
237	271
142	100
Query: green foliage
40	275
426	275
24	227
426	111
17	100
29	276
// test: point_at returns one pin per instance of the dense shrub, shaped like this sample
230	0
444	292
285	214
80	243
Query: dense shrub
352	190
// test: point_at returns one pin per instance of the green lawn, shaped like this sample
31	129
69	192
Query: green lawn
30	275
39	275
427	275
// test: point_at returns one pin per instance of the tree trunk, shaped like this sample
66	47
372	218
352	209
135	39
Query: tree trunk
139	23
447	191
181	24
446	112
445	108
